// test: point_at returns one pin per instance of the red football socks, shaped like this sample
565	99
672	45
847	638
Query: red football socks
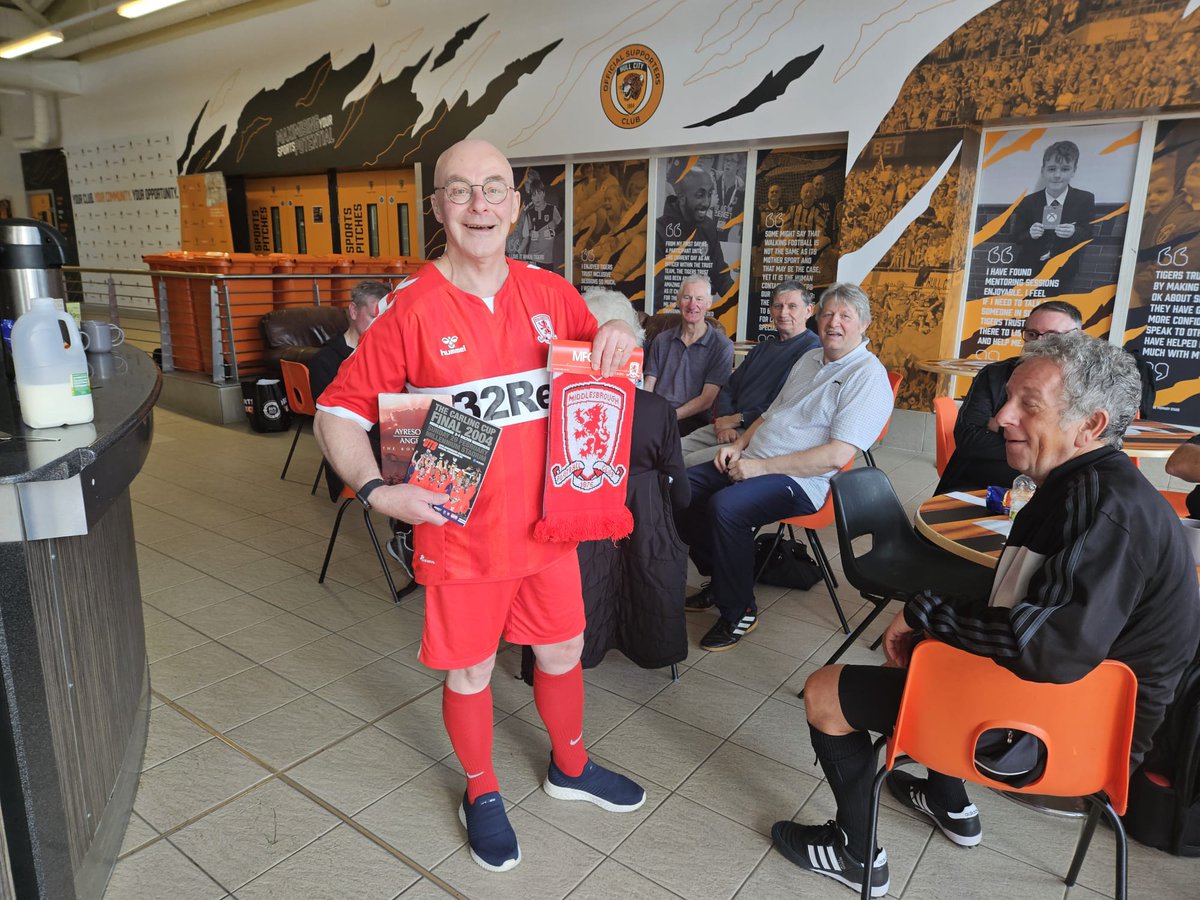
468	719
559	701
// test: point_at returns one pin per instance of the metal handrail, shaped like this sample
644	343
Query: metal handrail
219	314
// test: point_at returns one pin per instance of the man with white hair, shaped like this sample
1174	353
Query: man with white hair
834	403
1096	567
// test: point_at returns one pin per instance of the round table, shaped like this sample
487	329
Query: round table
961	523
1155	439
966	368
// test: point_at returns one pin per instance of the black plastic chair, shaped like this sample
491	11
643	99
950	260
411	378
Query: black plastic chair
900	564
348	497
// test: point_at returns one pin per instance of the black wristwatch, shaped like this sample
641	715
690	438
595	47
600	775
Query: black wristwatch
363	493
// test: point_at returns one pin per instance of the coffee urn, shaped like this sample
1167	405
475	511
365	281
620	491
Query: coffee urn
32	255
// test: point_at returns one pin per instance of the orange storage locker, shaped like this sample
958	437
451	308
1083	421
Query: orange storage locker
249	301
185	342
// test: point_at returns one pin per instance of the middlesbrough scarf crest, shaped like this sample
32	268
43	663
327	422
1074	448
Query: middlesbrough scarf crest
590	428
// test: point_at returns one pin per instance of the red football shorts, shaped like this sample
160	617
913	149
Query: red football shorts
464	621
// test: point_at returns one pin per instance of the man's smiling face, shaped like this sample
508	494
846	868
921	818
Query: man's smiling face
477	228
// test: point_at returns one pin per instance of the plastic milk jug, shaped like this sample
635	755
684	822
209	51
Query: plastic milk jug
50	367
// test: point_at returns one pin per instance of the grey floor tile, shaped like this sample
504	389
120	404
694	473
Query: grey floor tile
187	546
421	816
299	590
169	735
257	574
343	610
779	731
748	788
137	833
152	616
355	772
274	637
240	698
192	782
171	637
611	879
196	668
387	632
947	871
750	665
377	688
241	840
709	703
552	864
337	865
322	661
790	636
145	875
294	730
230	615
425	890
666	851
619	675
657	747
190	596
419	724
157	572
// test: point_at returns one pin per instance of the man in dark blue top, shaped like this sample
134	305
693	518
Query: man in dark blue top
756	382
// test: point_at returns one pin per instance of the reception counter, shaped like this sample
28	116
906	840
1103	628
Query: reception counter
74	699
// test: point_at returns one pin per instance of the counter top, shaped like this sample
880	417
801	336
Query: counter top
125	387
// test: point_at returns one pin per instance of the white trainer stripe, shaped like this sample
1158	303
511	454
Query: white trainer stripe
812	857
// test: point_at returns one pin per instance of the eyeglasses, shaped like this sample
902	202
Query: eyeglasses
1030	335
460	191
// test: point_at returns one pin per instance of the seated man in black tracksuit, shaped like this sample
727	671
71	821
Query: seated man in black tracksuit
1096	567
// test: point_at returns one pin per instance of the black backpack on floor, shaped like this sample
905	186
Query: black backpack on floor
1164	793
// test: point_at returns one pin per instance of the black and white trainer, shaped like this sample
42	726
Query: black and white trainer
400	548
701	600
724	634
822	849
962	827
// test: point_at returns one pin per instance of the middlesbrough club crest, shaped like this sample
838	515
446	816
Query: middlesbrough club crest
594	414
544	328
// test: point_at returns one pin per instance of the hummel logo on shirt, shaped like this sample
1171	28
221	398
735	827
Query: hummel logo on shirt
451	342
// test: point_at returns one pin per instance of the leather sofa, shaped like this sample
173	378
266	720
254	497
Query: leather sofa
297	333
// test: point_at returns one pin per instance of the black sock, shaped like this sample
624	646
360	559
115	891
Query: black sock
848	762
948	793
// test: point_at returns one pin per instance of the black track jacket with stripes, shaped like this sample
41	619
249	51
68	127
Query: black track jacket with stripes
1096	567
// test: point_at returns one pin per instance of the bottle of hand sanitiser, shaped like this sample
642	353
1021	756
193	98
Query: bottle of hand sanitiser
50	367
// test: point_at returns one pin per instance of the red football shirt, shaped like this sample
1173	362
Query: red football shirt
437	339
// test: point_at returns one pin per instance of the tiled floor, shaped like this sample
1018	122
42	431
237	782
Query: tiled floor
296	748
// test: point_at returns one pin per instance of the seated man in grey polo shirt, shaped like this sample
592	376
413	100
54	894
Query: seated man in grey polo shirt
755	383
689	364
834	403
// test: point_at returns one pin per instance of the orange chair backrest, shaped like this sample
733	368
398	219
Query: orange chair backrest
295	382
951	697
894	379
823	517
945	416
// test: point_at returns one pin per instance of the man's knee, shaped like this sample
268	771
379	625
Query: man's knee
822	702
560	658
472	679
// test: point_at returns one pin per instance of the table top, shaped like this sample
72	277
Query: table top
1155	439
960	522
967	368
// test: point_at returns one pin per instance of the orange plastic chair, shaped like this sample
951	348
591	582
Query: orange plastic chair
945	416
301	402
348	497
822	518
951	697
894	379
1178	501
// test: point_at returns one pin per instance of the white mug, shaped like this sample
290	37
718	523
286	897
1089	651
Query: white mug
100	337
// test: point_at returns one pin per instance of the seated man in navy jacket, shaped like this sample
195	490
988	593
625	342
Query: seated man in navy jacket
1096	567
754	384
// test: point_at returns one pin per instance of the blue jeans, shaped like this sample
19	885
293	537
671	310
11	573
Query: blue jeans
720	523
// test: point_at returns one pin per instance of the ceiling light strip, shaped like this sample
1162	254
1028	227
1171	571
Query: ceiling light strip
29	44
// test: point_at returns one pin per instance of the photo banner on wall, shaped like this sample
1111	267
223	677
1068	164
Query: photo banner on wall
1052	206
798	193
539	233
609	226
699	228
1163	324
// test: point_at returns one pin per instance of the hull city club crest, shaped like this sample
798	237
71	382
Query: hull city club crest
594	416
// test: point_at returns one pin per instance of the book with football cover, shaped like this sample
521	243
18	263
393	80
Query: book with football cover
401	417
452	457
